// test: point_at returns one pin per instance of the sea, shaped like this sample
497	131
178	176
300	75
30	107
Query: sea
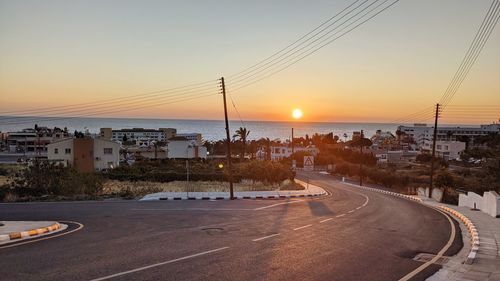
211	130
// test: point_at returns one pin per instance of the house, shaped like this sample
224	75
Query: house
85	154
280	152
182	148
447	150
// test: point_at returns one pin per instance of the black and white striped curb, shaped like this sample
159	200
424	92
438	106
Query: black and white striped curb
310	191
404	196
474	235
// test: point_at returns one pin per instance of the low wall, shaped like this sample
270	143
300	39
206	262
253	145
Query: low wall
437	193
488	203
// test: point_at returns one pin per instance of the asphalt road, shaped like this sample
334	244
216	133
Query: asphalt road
351	235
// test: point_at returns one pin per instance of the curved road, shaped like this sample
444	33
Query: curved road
351	235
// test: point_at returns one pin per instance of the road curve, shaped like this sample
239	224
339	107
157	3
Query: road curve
352	235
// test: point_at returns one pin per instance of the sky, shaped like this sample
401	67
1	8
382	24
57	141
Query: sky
58	52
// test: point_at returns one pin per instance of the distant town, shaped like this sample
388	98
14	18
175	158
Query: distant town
114	147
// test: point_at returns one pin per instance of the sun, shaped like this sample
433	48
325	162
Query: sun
297	113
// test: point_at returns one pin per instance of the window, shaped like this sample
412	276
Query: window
56	151
108	150
67	151
438	146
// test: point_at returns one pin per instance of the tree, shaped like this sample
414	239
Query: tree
242	133
124	139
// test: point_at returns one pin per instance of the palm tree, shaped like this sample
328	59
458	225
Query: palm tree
242	133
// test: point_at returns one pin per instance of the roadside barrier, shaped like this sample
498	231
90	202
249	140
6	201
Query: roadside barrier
33	232
471	228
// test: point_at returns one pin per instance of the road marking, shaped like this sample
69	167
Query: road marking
159	264
329	219
351	211
36	239
439	255
274	205
265	237
338	216
359	208
302	227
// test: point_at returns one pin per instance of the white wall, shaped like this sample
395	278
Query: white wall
103	161
185	149
61	146
489	203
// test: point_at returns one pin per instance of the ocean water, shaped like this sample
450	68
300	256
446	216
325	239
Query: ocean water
210	129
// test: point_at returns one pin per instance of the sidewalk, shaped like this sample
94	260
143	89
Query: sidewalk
12	231
486	265
309	191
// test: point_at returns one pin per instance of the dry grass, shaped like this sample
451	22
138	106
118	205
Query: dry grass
3	180
141	188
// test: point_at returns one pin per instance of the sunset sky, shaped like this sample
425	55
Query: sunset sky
55	53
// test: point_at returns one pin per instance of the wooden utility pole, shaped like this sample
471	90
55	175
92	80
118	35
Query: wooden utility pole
434	148
228	140
361	160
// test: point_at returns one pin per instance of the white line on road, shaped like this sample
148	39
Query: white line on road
302	227
329	219
159	264
265	237
274	205
351	211
359	208
338	216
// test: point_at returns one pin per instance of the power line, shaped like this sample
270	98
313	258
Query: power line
280	58
105	105
106	101
316	49
293	43
127	108
473	52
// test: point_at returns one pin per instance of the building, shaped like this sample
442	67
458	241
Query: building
421	132
85	154
447	150
183	148
138	134
281	152
192	136
34	141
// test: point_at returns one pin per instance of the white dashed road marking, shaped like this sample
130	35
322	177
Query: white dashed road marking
326	220
340	216
265	237
159	264
301	227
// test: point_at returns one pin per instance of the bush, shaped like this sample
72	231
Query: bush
44	178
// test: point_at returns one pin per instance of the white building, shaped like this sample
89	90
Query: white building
183	148
421	132
138	134
447	150
192	137
85	154
281	152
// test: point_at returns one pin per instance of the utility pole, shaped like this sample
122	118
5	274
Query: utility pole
293	151
434	148
228	139
361	159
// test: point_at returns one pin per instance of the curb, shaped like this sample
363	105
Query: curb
254	197
29	233
403	196
472	231
244	195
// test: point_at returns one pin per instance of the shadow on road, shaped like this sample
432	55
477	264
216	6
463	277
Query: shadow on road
318	208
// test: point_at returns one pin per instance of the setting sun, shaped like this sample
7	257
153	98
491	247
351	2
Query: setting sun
297	113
